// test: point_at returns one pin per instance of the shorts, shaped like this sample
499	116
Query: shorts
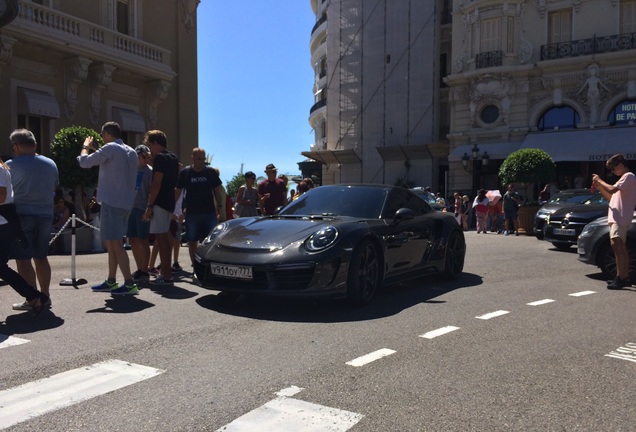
37	230
160	221
510	215
198	226
619	231
137	228
114	222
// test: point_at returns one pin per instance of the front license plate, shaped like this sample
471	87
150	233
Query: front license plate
231	271
565	232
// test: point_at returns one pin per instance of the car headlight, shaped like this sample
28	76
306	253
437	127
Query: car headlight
321	239
216	231
589	229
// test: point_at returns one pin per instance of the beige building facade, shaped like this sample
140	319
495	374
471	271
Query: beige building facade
380	112
559	75
85	62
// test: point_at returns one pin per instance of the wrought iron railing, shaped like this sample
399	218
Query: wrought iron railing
318	105
489	59
594	45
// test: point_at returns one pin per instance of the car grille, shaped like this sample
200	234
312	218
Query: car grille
278	278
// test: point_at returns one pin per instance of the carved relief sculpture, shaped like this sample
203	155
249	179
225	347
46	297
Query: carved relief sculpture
157	93
493	89
76	70
101	76
188	10
594	86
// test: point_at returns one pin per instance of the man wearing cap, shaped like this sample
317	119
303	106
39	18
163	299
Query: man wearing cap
138	227
272	192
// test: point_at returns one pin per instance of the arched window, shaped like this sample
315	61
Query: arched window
623	113
559	117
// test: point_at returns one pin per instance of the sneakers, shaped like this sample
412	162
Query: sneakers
618	283
176	267
38	304
26	306
141	276
104	287
126	290
162	281
153	271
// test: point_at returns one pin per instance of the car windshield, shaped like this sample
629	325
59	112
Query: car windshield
572	197
597	199
356	201
425	195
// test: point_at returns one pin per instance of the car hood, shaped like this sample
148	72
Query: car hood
272	233
581	210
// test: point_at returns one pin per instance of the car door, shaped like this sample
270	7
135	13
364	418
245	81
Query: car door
406	240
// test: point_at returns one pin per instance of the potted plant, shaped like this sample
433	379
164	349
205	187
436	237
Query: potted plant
529	167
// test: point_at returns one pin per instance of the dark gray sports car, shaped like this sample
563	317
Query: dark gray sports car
344	240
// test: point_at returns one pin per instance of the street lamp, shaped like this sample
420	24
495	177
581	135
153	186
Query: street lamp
475	155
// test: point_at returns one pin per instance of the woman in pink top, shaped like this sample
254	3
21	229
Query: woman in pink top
481	210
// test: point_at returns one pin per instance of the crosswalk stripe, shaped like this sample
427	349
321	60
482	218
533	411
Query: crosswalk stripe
439	332
540	302
7	341
68	388
492	315
582	293
368	358
286	414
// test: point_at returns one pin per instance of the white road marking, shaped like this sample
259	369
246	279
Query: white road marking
283	414
627	352
368	358
68	388
492	315
540	302
582	293
7	341
290	391
439	332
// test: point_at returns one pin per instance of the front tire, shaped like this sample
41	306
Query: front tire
455	255
363	278
607	260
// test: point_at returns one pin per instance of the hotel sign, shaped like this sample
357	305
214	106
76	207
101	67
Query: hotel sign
625	112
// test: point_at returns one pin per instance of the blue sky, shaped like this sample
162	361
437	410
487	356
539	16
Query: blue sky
255	83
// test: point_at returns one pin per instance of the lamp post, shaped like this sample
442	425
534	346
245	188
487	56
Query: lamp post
475	155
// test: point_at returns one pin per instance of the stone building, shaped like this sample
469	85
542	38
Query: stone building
380	112
559	75
79	62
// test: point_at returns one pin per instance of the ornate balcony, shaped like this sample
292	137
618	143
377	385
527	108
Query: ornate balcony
54	29
318	105
488	59
594	45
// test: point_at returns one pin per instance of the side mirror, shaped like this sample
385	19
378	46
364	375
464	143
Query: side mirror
402	215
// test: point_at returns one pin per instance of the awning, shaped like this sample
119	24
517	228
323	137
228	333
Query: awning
37	103
129	121
589	145
495	150
330	157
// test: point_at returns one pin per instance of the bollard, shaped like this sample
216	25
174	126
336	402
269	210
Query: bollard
72	281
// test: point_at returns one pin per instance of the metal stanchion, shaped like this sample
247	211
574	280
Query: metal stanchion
72	281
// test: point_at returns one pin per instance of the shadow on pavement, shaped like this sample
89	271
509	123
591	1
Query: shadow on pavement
171	292
25	322
391	301
123	304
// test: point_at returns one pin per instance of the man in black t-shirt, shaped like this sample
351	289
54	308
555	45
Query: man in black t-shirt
203	187
161	199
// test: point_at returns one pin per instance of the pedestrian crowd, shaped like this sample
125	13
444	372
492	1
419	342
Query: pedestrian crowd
143	195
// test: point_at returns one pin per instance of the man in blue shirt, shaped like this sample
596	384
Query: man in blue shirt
34	178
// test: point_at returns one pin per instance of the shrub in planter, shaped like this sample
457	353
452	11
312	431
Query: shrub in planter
65	148
528	166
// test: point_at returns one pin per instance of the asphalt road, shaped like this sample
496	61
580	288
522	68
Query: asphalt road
527	339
